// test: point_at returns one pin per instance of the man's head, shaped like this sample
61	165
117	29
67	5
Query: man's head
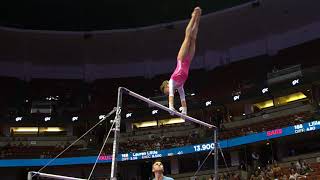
157	166
165	87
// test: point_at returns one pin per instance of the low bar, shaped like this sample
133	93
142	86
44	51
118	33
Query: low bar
45	175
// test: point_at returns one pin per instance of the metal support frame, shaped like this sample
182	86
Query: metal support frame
116	136
122	90
216	155
117	121
32	173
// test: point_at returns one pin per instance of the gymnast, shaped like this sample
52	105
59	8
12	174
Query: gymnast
184	59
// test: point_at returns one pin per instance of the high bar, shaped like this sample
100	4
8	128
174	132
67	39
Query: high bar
166	108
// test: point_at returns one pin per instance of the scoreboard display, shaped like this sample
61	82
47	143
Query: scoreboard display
276	133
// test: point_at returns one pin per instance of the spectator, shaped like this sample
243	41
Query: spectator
255	158
256	176
236	176
276	170
298	166
269	173
292	166
298	119
242	166
221	177
295	176
306	167
284	177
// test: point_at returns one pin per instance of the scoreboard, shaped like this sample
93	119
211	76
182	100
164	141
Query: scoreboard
251	138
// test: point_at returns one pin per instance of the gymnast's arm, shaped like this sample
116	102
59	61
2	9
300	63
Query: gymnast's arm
183	100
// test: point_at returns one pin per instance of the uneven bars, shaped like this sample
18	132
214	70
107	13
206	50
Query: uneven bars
166	108
51	176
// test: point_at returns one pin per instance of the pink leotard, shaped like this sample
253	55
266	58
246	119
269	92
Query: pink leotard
181	72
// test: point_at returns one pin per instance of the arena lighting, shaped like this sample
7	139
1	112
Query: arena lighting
171	121
295	97
128	115
102	117
47	119
146	124
25	129
295	82
36	129
55	98
154	111
51	129
289	98
18	119
235	98
75	118
208	103
161	122
264	90
265	104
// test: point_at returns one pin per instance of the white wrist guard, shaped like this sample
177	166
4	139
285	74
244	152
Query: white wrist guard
184	110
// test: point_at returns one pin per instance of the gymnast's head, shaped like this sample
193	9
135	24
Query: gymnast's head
164	88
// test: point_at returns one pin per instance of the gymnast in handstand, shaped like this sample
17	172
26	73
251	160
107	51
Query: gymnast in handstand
185	56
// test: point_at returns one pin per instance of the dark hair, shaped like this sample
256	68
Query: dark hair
157	160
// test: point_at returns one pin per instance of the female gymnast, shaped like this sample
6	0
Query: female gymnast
184	59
